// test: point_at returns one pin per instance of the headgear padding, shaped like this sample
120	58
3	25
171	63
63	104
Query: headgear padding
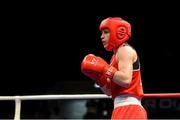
120	31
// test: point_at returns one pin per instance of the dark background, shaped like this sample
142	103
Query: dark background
42	48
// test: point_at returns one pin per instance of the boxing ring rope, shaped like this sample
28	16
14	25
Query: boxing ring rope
18	99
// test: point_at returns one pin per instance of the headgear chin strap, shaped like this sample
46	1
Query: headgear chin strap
120	31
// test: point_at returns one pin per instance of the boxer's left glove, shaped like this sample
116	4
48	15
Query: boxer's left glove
97	66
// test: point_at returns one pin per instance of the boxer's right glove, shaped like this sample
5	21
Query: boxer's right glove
97	69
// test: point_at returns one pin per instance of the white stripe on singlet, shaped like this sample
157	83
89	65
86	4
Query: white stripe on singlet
123	100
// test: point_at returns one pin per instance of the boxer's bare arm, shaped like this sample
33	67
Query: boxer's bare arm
125	56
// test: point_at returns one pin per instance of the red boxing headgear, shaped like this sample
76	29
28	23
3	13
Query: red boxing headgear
120	31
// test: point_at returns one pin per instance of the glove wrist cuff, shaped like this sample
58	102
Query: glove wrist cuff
110	71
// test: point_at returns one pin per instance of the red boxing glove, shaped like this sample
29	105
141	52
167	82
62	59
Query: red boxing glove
92	74
97	65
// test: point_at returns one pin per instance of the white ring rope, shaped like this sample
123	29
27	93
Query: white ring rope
51	97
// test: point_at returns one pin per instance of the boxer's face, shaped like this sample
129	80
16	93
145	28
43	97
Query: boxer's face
105	37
